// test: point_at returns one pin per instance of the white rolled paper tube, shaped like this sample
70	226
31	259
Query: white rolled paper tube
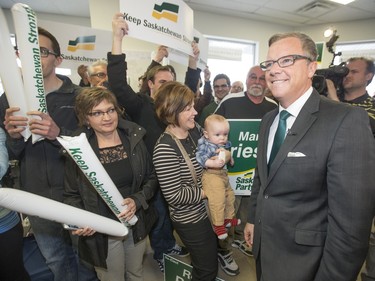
11	74
35	205
80	150
26	26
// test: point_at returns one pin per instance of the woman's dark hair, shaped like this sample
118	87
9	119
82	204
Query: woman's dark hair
88	98
170	100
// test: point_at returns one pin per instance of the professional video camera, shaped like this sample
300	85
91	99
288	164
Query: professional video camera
336	73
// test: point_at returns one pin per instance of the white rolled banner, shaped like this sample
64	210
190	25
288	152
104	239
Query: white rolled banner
80	150
26	26
35	205
10	73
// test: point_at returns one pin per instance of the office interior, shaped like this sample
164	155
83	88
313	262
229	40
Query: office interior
214	25
223	26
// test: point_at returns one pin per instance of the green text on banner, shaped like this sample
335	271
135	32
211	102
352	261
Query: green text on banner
164	23
176	270
244	138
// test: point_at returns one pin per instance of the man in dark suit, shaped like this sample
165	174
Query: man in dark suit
313	202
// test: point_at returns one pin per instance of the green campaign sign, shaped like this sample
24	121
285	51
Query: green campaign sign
244	138
176	270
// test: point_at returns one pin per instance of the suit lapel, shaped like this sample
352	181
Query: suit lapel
262	146
303	122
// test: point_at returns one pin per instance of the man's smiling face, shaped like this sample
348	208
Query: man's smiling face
287	84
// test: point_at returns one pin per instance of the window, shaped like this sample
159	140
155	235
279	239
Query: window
231	57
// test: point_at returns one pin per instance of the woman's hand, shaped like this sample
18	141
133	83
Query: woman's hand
129	210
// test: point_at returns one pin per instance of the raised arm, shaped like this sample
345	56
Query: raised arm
117	67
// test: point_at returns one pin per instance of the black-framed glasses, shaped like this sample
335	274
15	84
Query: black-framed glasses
99	75
98	114
44	52
283	61
221	86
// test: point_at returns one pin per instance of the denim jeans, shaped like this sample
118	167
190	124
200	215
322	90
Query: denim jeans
56	246
161	235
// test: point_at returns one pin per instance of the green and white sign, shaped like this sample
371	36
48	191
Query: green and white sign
244	138
176	270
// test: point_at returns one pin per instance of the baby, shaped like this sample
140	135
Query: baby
215	181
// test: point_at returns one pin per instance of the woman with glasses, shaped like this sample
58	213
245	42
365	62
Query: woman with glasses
120	148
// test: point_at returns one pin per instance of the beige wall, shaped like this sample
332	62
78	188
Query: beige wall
230	27
237	28
348	31
242	29
206	23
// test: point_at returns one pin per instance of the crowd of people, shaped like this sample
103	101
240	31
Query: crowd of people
166	148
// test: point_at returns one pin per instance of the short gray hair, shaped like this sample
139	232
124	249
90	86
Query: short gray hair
90	68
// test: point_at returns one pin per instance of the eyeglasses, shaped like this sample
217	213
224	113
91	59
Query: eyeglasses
98	114
283	61
44	52
99	75
220	86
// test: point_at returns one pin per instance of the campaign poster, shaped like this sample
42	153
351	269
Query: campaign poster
244	138
163	23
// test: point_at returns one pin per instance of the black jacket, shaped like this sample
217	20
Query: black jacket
41	163
140	106
80	193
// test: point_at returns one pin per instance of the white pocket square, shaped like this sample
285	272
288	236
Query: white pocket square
296	154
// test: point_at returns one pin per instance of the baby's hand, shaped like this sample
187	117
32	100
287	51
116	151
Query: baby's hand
217	162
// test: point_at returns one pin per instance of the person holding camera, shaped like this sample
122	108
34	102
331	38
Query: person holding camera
361	72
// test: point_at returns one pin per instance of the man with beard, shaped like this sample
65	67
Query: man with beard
251	104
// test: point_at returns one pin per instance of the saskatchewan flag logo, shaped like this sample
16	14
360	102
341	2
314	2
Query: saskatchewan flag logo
82	42
166	10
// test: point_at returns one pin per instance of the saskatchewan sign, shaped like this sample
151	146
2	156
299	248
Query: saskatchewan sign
244	138
176	270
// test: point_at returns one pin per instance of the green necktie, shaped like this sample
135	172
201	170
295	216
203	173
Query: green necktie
279	136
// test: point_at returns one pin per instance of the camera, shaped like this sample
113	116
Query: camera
335	73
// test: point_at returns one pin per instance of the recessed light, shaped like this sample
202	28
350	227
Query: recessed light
343	2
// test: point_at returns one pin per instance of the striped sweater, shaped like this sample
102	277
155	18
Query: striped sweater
176	182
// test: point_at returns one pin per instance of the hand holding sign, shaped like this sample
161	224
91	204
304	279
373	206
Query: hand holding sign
119	30
81	152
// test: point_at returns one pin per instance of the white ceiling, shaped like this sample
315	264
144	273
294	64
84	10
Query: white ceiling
286	12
